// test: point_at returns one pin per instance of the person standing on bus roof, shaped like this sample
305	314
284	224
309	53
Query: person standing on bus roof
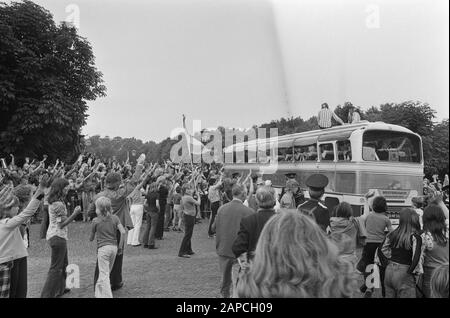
314	207
324	117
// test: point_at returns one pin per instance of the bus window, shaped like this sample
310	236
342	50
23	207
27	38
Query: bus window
305	153
391	146
284	154
326	152
344	150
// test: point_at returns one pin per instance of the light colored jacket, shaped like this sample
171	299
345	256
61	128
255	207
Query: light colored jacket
12	246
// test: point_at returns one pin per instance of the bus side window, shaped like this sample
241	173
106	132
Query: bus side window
326	152
298	154
344	150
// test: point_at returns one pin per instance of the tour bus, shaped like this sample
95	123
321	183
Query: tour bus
356	158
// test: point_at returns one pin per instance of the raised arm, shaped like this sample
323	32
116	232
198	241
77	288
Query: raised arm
31	208
70	219
337	118
139	168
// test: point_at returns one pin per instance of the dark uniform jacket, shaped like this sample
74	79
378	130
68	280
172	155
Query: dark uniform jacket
250	229
319	210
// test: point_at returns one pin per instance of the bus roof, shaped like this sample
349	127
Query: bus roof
336	132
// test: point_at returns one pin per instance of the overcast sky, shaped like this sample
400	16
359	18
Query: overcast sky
239	63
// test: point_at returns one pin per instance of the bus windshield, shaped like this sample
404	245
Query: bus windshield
392	146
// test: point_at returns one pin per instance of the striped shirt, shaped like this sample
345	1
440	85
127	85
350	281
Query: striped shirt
324	118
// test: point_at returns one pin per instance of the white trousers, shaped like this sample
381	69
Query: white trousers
106	256
136	213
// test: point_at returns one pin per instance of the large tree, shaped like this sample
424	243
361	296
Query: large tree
437	161
47	75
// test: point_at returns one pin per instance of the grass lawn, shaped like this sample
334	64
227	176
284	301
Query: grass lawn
147	273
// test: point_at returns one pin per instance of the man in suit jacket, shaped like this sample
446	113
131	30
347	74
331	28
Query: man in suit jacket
252	225
226	226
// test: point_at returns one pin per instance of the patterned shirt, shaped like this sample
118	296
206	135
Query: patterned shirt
214	193
324	118
57	212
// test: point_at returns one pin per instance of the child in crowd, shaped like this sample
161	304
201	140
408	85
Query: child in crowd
344	231
105	227
12	247
376	223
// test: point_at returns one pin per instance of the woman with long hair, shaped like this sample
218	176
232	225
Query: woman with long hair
403	250
294	258
436	244
55	285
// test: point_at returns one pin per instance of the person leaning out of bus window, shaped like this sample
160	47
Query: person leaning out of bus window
344	153
325	115
312	153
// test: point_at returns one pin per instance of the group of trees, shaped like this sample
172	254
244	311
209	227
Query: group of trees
48	73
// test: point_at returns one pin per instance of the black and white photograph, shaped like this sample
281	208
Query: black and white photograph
224	153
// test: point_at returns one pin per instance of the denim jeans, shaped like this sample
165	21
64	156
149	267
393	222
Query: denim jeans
398	283
161	217
168	216
56	278
226	269
189	222
426	282
150	229
106	256
214	208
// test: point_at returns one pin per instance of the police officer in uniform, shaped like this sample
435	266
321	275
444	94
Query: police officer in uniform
314	207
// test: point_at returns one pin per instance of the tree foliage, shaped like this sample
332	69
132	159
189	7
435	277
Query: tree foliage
47	73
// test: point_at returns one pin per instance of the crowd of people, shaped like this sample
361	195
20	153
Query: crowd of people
283	245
